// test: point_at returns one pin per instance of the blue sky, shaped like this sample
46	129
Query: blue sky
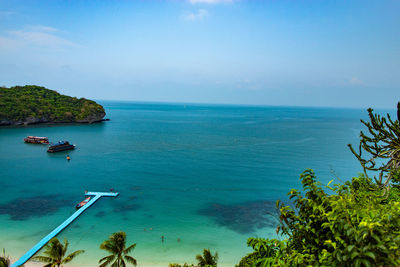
307	53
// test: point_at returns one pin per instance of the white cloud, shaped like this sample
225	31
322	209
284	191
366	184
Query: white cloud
40	36
41	28
199	15
356	81
209	1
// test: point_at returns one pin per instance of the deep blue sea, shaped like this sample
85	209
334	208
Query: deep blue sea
202	176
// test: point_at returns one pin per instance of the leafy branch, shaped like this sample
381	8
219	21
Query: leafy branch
382	143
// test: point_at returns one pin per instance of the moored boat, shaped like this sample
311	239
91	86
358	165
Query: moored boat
82	203
60	146
36	140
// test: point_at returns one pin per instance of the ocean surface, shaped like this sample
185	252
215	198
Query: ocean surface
202	176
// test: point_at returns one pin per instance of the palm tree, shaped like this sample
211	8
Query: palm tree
5	260
55	253
207	260
116	245
178	265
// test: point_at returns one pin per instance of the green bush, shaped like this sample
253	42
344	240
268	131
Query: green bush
351	226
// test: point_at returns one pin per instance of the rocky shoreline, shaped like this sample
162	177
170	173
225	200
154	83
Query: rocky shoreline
47	122
34	121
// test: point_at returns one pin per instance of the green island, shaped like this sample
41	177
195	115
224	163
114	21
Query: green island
31	104
355	223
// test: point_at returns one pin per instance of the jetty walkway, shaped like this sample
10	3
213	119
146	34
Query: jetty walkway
62	226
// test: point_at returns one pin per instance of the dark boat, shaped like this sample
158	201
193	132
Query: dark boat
82	203
36	140
60	146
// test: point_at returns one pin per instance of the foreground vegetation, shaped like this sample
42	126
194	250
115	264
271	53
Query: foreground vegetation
55	253
5	260
34	104
205	260
116	246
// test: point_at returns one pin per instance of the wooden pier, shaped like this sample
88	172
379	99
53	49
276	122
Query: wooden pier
62	226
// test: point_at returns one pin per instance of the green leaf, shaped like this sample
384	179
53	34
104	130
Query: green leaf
350	248
371	255
366	263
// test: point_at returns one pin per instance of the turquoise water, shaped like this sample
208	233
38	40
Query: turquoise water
202	176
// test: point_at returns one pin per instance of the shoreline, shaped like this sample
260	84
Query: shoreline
23	125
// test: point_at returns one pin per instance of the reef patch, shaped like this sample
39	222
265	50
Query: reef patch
24	208
245	217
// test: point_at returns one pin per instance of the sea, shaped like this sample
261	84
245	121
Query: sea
190	176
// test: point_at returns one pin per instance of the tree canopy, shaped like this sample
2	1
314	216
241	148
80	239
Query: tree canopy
33	104
55	253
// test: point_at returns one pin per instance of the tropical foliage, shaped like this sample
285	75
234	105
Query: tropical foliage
26	103
179	265
342	225
207	259
381	144
351	227
5	260
116	245
54	253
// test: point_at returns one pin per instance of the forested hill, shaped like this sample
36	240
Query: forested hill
32	104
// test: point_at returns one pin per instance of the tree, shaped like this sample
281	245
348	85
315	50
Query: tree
207	259
349	226
178	265
383	144
116	245
5	260
54	254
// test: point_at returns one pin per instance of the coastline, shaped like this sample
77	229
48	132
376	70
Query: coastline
26	125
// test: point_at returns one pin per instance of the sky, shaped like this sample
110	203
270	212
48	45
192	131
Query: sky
273	52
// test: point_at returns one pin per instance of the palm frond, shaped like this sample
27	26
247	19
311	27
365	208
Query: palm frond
53	249
109	246
200	261
71	256
131	260
128	250
107	259
64	248
42	259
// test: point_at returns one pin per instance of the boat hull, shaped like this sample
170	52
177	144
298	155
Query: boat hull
36	140
59	149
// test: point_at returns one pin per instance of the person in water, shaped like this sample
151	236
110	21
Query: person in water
68	158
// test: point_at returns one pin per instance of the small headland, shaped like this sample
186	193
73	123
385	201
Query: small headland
31	104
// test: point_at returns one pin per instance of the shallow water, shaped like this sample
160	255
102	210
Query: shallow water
207	175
